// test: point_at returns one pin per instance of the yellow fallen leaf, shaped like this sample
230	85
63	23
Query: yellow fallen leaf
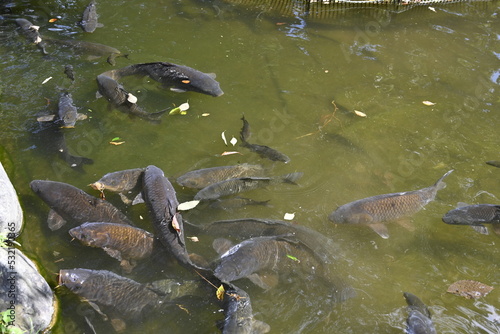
194	239
289	216
205	114
52	20
224	137
359	113
187	205
116	143
428	103
46	80
175	225
182	308
220	292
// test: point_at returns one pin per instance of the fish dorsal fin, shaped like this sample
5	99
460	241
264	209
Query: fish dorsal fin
380	229
221	245
178	90
55	221
461	204
113	253
480	229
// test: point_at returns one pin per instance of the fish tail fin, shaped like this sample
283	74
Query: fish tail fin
245	130
440	183
291	178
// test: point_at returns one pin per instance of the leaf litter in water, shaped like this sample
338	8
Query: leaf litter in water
187	205
224	137
220	292
469	289
359	113
428	103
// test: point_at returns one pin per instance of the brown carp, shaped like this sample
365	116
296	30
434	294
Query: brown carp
73	204
242	184
123	100
67	114
89	18
113	296
419	318
202	178
238	314
180	78
475	216
262	150
375	210
125	243
160	197
127	183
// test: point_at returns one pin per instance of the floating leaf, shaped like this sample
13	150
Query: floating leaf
233	141
46	80
187	205
469	289
359	113
52	20
428	103
175	225
116	138
182	308
224	137
292	258
131	98
289	216
220	292
194	239
230	153
33	27
205	114
175	111
116	143
184	106
433	9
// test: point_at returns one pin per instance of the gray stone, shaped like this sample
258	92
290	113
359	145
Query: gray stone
11	214
24	293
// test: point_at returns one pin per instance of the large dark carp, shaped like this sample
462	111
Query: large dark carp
123	100
180	78
31	32
238	314
127	183
241	184
73	204
475	216
89	18
419	318
375	210
114	296
67	114
262	150
160	197
202	178
125	243
264	259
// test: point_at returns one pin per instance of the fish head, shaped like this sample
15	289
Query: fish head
189	79
88	235
458	216
74	279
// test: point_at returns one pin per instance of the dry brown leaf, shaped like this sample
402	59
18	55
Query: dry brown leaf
116	142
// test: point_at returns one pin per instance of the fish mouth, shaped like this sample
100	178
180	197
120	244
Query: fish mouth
217	93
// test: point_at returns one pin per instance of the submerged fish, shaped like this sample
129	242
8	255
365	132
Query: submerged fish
469	289
494	163
241	184
419	318
94	50
70	72
52	140
180	78
123	100
124	182
160	197
67	114
238	314
31	32
375	210
476	216
236	202
202	178
119	298
73	204
125	243
262	150
89	18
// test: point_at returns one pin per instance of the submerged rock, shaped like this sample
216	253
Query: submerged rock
25	295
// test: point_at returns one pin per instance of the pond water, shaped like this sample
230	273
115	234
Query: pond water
298	80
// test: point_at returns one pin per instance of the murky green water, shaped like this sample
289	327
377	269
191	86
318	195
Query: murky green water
282	73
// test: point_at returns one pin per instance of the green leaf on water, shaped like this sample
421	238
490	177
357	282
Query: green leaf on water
220	292
116	138
292	258
175	111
